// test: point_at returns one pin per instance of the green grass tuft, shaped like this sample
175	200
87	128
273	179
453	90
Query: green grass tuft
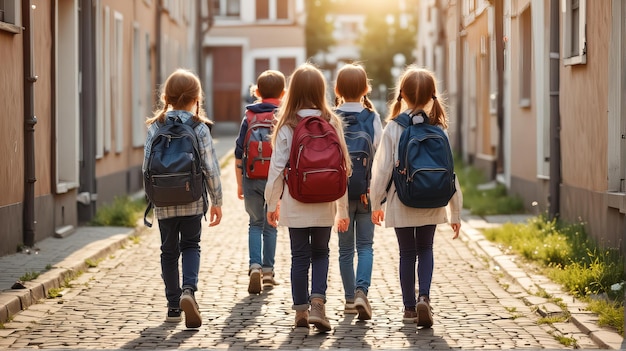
123	212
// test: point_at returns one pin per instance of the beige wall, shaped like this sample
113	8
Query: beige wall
12	132
523	119
263	36
584	106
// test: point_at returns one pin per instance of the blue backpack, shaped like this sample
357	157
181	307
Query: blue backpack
359	135
173	174
424	173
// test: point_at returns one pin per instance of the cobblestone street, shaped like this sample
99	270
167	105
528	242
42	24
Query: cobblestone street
120	304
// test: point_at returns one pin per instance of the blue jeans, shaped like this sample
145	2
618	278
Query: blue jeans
180	235
361	230
261	236
309	248
416	245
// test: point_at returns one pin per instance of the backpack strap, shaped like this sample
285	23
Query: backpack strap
145	214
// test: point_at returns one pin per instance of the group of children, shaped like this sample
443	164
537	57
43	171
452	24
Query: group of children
269	203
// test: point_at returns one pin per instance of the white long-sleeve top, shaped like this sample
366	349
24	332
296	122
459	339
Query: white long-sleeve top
293	213
398	215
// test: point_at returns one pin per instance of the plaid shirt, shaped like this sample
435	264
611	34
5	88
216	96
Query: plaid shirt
210	166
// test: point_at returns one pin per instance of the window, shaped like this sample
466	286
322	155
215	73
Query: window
282	9
287	65
233	8
261	65
525	57
262	9
10	16
574	27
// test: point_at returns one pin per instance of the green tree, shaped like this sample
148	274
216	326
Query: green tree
318	30
385	36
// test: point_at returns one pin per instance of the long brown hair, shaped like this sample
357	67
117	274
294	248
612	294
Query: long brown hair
180	89
417	89
307	90
352	83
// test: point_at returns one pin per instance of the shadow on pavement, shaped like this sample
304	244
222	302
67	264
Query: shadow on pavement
160	337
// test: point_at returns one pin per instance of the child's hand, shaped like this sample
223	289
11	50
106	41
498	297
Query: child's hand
272	218
456	227
342	224
378	216
240	192
215	216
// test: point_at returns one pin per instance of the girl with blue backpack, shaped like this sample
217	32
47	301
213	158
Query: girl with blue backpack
362	130
415	227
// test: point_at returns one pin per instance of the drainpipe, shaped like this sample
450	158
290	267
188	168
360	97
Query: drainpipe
459	79
157	44
555	118
29	125
86	204
499	32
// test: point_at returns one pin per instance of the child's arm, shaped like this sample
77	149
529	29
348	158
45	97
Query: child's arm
239	174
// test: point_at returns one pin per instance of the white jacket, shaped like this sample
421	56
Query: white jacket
398	215
293	213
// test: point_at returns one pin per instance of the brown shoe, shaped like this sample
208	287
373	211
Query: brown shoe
318	315
410	315
255	286
269	280
362	305
302	318
424	312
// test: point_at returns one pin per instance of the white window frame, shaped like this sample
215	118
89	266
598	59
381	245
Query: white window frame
106	87
66	95
138	84
118	81
580	57
99	80
525	57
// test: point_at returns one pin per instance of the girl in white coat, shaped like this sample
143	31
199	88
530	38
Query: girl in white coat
309	223
414	227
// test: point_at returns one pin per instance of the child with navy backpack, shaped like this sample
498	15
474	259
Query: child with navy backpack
362	130
417	101
181	225
309	212
252	159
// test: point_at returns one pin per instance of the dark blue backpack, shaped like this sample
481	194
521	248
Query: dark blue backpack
424	175
173	174
359	135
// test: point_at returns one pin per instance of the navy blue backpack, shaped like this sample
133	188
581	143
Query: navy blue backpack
359	135
173	174
424	175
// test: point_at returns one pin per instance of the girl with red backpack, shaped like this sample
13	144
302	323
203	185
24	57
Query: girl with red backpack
309	220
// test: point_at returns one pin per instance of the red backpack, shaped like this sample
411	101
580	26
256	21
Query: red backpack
257	148
316	170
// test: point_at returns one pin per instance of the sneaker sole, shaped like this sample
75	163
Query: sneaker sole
320	324
173	319
255	283
361	306
424	318
192	315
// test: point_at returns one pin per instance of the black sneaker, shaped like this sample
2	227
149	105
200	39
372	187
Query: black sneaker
173	315
190	307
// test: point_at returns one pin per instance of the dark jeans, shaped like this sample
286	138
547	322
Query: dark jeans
180	235
416	245
309	248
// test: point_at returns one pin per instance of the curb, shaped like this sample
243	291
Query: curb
584	321
13	301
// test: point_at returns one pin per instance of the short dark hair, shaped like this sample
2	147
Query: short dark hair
271	84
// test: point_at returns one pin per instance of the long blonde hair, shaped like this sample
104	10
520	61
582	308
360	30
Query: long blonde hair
418	87
352	83
307	90
180	89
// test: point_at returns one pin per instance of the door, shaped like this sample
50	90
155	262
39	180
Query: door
227	89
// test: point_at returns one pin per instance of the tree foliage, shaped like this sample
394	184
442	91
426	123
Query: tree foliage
385	36
318	29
